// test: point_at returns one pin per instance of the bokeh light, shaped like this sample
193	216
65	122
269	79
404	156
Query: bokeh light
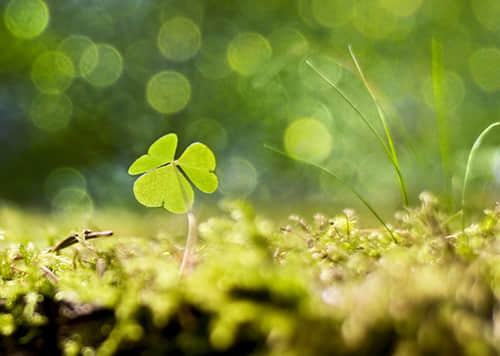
372	20
238	177
401	8
73	202
51	112
179	39
485	68
487	13
63	178
248	53
332	13
101	65
52	72
308	139
74	47
168	92
26	18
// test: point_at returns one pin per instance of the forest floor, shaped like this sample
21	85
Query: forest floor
316	285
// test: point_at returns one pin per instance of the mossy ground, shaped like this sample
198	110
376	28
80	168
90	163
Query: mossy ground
314	286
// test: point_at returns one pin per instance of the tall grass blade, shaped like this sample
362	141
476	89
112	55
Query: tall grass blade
392	154
341	181
472	152
366	122
351	104
442	116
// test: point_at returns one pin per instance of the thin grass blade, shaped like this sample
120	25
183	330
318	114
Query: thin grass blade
472	152
392	154
351	104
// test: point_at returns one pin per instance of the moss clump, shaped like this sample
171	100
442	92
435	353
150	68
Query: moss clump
316	287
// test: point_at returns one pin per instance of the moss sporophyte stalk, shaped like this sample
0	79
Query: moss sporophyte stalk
164	182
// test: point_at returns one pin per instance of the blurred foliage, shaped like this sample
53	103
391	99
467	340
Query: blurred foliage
86	86
320	287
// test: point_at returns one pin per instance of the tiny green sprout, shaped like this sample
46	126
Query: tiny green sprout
164	180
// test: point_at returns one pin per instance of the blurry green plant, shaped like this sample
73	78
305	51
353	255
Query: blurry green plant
163	181
442	116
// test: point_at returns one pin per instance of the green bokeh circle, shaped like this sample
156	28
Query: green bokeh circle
74	46
332	13
52	72
308	139
168	92
179	39
101	65
248	53
26	18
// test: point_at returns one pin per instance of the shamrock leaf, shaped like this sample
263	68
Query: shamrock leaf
162	151
163	182
198	162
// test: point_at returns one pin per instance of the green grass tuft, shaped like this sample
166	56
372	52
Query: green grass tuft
388	148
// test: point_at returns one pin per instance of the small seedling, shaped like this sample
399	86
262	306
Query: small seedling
163	181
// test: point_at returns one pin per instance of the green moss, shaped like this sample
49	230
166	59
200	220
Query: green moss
312	287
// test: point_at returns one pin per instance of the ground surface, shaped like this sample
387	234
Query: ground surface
314	286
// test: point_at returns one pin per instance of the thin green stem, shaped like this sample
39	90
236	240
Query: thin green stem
192	228
442	117
393	155
192	236
351	104
472	152
341	181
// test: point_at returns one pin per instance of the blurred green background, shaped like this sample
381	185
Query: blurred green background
87	86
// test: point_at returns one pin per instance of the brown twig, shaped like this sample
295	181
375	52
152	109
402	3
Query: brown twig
75	238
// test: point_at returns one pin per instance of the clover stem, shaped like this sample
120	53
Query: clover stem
192	233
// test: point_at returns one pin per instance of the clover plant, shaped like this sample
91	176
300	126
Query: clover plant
164	180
